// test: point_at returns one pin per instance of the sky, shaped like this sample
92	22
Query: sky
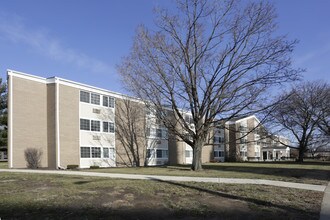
84	40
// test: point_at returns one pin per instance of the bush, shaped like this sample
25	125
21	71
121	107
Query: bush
72	166
33	157
94	167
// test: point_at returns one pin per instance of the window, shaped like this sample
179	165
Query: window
111	127
108	127
108	101
84	124
111	102
85	152
106	153
188	153
218	153
243	153
257	154
95	125
84	96
159	132
215	139
105	101
95	99
162	153
105	126
96	152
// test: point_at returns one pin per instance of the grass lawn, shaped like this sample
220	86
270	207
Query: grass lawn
42	196
311	172
3	165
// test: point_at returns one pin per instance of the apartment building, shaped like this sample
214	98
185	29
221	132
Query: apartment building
74	123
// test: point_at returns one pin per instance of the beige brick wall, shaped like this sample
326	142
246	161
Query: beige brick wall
51	107
29	108
69	125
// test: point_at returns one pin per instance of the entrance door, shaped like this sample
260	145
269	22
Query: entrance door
264	155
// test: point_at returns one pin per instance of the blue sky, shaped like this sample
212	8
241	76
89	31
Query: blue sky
83	40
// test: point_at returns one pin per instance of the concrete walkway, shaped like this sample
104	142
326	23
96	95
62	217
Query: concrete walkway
325	208
319	188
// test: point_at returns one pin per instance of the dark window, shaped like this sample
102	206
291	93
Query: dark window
159	133
111	102
84	96
159	153
111	127
105	101
84	124
95	99
96	152
95	125
85	152
105	126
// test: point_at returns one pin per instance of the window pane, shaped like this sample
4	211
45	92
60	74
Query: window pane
84	124
84	96
159	133
159	153
188	153
112	153
85	152
105	152
105	101
96	152
95	125
165	153
111	102
105	126
111	127
148	153
95	99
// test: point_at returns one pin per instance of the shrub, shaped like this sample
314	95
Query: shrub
94	167
72	166
33	157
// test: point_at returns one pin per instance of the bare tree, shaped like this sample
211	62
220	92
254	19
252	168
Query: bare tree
33	157
131	131
212	59
300	112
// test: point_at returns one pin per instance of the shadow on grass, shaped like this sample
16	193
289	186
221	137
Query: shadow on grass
286	172
317	174
258	202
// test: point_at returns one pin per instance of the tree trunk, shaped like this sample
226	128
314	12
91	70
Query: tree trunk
301	155
197	156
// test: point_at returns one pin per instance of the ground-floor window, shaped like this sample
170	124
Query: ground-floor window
188	153
218	153
96	152
162	153
85	152
243	153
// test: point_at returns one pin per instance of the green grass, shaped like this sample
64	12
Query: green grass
42	196
3	165
307	172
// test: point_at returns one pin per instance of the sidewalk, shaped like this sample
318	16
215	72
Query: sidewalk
319	188
325	208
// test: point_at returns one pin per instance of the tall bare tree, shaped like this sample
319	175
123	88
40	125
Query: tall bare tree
212	59
300	112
